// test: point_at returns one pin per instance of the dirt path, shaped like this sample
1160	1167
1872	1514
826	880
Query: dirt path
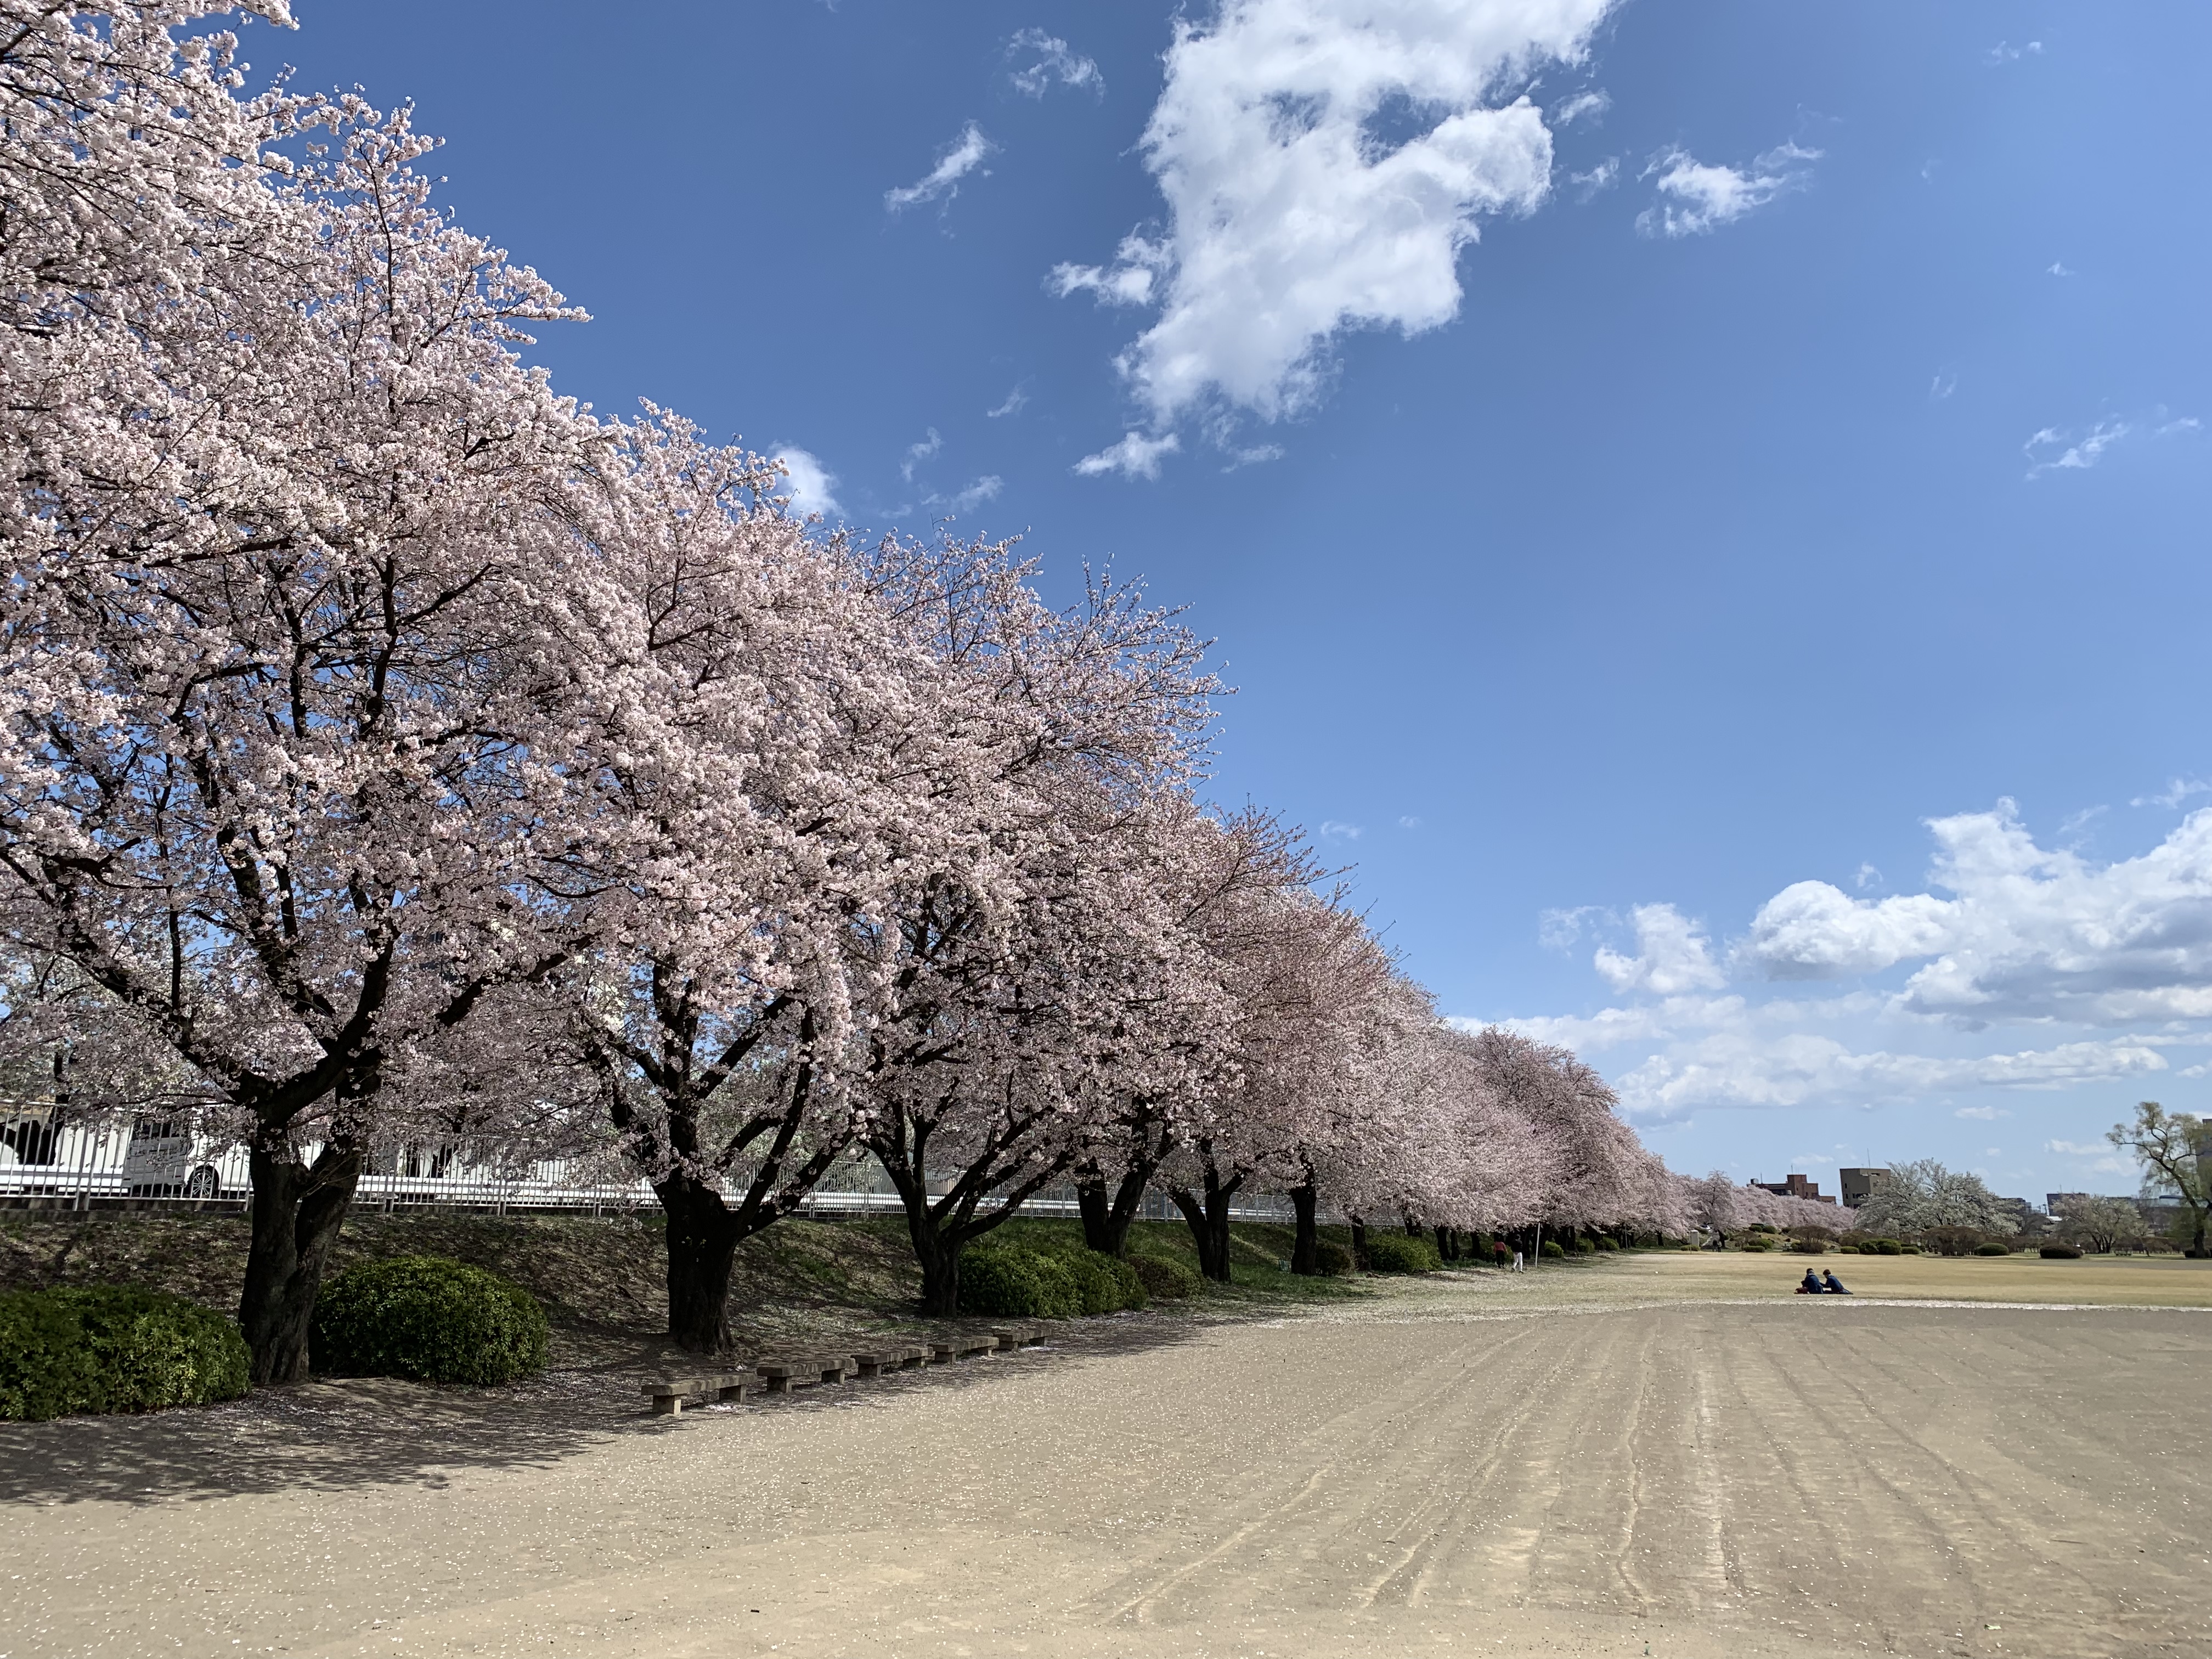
1405	1477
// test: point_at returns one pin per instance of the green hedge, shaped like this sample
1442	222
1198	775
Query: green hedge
1992	1248
113	1348
1169	1280
429	1318
1103	1284
1401	1253
1009	1282
1334	1260
1554	1249
2060	1253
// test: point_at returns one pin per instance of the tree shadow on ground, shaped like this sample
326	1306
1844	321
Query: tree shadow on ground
366	1431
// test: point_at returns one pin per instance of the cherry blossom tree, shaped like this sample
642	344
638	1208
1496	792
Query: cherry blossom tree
280	620
1180	1045
1011	982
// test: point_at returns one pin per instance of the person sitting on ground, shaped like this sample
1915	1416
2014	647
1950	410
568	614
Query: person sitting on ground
1834	1286
1812	1285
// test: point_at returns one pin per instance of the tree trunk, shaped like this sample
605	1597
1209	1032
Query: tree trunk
1414	1229
940	1266
1208	1216
1107	1216
1098	1211
296	1212
1448	1243
1305	1251
702	1250
1360	1239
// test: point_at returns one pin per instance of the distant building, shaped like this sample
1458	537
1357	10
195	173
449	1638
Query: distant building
1794	1186
1860	1185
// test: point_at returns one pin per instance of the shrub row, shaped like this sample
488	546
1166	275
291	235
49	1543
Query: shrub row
1401	1253
1014	1281
428	1318
113	1348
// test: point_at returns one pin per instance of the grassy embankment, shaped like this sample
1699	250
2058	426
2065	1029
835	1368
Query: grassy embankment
600	1280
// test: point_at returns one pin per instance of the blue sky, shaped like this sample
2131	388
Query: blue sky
1721	547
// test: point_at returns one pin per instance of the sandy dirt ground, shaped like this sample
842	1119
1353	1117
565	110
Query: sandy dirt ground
1620	1460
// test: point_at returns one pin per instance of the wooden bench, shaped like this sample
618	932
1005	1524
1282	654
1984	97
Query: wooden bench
669	1393
947	1349
791	1371
1011	1337
880	1360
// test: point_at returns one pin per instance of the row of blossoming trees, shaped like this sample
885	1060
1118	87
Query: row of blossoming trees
393	747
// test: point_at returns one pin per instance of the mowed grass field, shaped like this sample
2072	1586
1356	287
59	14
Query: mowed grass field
1701	1275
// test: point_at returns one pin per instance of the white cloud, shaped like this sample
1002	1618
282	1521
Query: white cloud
1409	822
2032	933
1696	196
917	453
961	158
2058	269
2109	962
2076	1148
1945	382
1671	956
1745	1066
1135	457
1868	876
1331	830
1583	106
812	486
1137	266
1052	61
1016	400
1324	161
2005	53
1812	930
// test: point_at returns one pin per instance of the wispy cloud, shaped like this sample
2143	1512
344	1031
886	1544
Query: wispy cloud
917	453
2055	449
1050	60
1331	830
1135	457
1016	400
1588	106
2059	268
2177	791
985	488
1945	382
1696	196
964	155
1982	1114
1603	176
2005	53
